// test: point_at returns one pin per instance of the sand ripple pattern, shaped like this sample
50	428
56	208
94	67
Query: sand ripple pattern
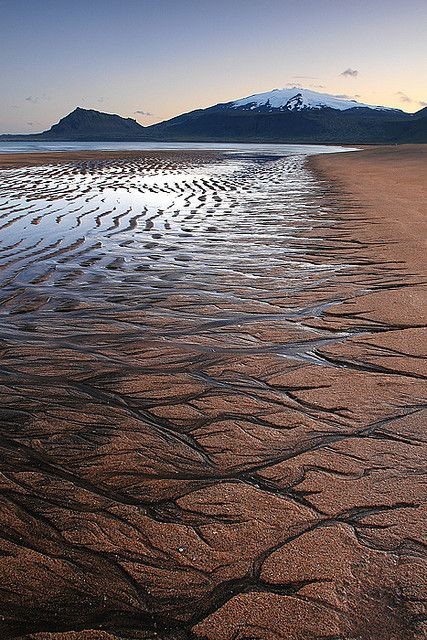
207	429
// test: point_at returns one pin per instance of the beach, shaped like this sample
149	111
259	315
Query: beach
213	406
34	158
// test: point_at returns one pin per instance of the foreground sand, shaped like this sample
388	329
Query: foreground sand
232	445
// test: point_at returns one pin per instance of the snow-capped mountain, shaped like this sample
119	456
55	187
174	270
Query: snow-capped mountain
297	99
293	115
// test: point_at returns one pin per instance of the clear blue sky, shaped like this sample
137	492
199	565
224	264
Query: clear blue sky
164	57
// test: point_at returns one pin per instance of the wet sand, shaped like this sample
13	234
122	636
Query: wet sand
393	182
32	159
213	398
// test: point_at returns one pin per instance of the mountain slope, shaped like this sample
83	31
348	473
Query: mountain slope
324	126
412	131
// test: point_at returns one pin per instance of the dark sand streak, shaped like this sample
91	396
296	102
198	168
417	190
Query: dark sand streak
212	396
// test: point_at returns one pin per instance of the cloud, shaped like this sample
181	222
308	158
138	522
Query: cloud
298	85
143	113
35	99
403	97
350	73
306	77
344	96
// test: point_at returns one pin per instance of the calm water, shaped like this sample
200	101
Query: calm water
167	215
279	149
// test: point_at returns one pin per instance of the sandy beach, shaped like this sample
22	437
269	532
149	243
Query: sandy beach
390	180
33	159
213	396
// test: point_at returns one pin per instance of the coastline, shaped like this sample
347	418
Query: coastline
20	159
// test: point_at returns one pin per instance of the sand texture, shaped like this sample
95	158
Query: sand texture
213	397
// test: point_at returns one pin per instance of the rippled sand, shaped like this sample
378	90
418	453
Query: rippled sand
207	431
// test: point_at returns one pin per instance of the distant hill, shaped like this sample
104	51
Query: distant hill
88	125
282	115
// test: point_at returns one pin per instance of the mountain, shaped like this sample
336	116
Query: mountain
283	115
293	115
88	125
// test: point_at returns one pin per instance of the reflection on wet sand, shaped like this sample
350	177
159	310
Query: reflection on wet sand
197	441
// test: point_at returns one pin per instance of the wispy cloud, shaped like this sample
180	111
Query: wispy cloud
35	99
403	97
344	96
143	113
298	85
306	77
350	73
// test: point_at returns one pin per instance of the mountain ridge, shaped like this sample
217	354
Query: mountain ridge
292	115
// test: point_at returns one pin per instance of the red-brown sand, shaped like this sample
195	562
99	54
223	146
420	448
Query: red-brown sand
167	474
39	158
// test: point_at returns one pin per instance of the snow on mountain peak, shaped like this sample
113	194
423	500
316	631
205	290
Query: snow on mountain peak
296	99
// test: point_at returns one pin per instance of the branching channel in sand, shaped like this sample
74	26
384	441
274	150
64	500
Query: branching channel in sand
207	432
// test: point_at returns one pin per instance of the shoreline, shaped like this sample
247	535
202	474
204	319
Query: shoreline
20	159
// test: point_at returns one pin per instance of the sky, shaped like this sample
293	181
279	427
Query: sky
154	59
